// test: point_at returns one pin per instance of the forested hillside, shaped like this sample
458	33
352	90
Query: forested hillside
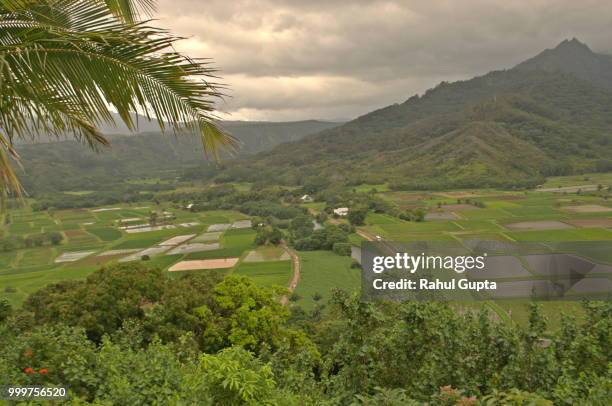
67	165
506	128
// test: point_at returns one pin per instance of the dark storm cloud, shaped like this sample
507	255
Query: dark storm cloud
296	59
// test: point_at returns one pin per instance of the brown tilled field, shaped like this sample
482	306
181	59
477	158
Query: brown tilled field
538	225
454	207
220	263
588	208
74	233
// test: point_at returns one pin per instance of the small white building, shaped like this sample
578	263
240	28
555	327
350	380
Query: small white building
341	211
306	199
189	206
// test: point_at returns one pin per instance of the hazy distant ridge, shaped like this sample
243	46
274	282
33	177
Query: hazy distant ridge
68	165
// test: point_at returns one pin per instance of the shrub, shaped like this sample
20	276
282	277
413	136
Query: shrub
357	216
342	248
355	265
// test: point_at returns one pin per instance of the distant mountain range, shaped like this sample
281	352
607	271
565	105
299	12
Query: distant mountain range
56	165
254	136
549	115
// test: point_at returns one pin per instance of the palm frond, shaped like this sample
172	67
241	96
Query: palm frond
131	10
9	183
67	65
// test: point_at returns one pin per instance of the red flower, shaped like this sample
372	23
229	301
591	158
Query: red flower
29	370
43	371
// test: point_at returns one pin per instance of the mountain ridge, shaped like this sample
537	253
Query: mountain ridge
575	57
556	115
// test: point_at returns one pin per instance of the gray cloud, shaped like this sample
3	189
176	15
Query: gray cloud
297	59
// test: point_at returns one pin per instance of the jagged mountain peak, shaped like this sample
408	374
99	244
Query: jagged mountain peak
576	58
572	45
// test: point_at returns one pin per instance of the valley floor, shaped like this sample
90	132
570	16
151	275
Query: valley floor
563	209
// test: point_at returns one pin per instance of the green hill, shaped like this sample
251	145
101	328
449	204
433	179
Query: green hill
506	128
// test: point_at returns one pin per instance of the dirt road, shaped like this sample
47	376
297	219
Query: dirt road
365	235
296	272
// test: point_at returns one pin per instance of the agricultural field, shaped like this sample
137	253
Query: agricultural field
521	216
572	213
223	241
578	180
322	271
266	273
93	238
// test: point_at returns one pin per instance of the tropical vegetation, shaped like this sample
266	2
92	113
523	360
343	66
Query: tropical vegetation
130	335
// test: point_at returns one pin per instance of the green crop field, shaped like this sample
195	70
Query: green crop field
375	218
582	216
238	238
224	252
592	178
266	273
322	271
105	233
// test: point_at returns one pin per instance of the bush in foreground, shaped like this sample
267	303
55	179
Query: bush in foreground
131	335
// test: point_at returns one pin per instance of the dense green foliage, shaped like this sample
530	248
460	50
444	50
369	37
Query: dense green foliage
576	58
323	239
356	216
15	242
229	342
268	235
166	308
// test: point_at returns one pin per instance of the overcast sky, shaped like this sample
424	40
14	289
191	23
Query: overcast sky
334	59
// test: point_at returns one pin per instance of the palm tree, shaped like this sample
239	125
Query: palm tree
67	65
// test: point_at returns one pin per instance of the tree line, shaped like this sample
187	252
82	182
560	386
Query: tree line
16	242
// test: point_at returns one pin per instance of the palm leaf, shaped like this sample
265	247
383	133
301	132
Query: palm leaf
67	65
